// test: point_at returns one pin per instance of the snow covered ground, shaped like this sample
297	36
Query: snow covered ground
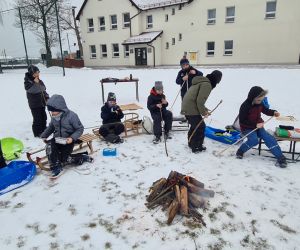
256	205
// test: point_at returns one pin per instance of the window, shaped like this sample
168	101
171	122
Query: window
103	50
167	45
149	22
113	22
166	18
90	25
210	49
93	54
228	47
270	9
211	16
126	51
173	11
115	49
126	20
180	37
230	14
101	23
173	41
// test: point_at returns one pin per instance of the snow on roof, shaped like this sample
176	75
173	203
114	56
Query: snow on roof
145	37
151	4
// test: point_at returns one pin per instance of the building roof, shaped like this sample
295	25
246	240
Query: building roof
153	4
145	4
145	37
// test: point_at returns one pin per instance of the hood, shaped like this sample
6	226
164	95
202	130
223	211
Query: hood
28	76
58	102
153	92
255	92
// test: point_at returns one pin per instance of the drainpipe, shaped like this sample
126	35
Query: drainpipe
131	19
153	54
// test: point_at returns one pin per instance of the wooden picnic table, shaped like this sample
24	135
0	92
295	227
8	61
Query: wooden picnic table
116	80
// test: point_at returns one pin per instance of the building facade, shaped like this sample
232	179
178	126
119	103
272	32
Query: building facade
208	32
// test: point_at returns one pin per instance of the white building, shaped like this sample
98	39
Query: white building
160	32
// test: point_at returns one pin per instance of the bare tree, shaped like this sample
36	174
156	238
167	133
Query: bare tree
39	16
68	19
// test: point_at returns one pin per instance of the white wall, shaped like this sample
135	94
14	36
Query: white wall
255	39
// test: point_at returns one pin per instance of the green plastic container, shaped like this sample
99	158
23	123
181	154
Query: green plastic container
11	148
282	132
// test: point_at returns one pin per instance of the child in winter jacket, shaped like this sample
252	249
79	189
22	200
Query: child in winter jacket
186	75
157	105
66	129
37	97
111	115
250	119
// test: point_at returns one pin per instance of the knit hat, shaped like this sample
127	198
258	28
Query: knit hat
184	61
158	85
214	77
53	109
32	69
111	97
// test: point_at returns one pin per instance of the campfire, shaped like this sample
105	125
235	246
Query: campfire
179	194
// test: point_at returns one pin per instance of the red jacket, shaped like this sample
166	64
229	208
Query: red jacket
250	114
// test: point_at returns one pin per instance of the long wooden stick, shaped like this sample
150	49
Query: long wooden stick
241	139
177	95
165	140
198	125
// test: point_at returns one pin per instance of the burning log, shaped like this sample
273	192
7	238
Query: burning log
179	194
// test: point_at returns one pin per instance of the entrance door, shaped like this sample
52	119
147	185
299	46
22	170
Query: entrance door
140	56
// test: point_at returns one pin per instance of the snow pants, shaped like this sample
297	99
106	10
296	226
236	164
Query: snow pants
167	117
198	137
39	121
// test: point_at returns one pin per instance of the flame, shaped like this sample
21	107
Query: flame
187	178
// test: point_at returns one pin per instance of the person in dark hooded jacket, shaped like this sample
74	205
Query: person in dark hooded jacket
66	128
250	119
193	107
37	97
157	105
186	75
111	115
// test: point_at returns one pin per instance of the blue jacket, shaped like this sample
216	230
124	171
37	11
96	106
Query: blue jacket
109	114
180	82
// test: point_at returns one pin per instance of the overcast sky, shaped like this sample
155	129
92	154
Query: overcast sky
11	37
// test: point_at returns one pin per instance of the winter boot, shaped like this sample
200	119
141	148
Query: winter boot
56	170
281	162
239	154
167	136
156	140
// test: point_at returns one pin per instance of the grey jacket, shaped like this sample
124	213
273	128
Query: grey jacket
69	124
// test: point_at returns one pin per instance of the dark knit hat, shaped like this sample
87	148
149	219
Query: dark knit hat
53	109
184	61
111	97
214	77
33	69
158	85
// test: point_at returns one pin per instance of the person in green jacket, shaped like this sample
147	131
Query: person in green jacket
193	107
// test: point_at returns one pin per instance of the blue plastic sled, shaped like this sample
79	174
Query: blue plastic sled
227	137
16	174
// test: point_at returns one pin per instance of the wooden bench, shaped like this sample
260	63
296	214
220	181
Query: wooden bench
85	141
292	148
131	123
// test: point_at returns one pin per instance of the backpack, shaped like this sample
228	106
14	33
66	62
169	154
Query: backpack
147	125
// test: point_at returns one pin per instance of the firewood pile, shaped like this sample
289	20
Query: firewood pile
179	194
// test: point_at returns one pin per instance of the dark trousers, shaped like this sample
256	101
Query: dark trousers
58	153
39	120
167	117
116	128
198	137
2	160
